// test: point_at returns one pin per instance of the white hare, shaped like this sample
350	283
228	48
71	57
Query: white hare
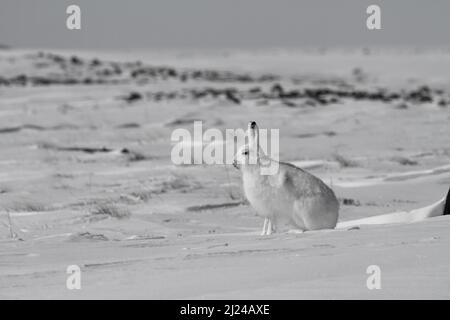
295	197
291	196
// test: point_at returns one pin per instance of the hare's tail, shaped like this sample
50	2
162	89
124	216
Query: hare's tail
439	208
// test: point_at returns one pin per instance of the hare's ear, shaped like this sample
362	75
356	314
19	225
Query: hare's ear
253	135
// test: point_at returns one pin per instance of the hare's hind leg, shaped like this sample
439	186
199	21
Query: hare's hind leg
316	214
269	227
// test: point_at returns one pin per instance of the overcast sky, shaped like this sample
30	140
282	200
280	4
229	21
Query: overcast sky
222	23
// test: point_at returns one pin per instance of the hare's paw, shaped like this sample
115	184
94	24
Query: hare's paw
296	231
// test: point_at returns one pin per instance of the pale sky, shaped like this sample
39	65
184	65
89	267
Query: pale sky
222	23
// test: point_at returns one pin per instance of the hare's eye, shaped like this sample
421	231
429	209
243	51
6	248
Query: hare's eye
245	152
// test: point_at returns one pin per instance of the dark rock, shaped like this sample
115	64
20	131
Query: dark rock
133	96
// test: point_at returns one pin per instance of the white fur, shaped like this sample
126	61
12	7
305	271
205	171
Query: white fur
291	197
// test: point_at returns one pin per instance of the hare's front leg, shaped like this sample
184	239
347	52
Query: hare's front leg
263	233
269	227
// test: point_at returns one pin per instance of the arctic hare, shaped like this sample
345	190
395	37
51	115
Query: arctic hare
290	196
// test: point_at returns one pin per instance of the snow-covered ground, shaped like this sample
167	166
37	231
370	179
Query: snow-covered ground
86	176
